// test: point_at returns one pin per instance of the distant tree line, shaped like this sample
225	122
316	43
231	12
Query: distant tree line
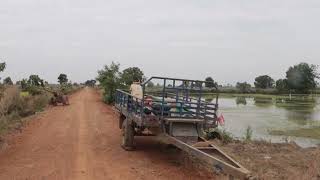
34	84
300	78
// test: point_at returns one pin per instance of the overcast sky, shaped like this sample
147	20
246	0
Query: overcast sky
230	40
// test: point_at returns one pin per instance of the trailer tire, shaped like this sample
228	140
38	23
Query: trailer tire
127	136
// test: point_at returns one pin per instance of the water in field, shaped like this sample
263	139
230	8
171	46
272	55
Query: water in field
274	118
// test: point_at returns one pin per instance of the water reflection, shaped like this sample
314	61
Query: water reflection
270	113
298	110
209	99
299	117
263	101
241	100
296	104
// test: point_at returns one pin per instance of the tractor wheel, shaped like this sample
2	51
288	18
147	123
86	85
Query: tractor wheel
127	136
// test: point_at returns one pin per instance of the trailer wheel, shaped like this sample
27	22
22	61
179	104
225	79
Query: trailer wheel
127	136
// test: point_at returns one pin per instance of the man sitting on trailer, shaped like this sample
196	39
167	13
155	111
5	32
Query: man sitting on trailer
149	105
137	94
136	90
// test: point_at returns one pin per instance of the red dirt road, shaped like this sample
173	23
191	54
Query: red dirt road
81	142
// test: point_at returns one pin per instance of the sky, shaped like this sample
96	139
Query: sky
230	40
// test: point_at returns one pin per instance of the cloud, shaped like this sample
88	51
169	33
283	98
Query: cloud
230	40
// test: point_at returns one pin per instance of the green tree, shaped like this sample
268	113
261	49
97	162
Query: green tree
7	81
91	83
264	82
35	80
33	84
150	84
24	84
110	79
63	79
244	87
282	85
302	77
131	75
210	83
2	67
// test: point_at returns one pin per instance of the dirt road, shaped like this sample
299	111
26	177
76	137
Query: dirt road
81	141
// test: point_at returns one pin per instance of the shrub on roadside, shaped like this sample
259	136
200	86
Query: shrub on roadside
222	135
248	134
9	101
13	106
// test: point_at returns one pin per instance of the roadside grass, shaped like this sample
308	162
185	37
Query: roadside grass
24	94
15	105
220	134
248	134
12	121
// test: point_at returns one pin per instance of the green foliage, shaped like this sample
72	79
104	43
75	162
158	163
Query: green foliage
35	80
110	79
282	85
63	79
150	84
222	135
90	83
241	100
130	75
226	137
302	77
244	87
2	66
210	83
7	81
248	134
24	84
264	82
32	85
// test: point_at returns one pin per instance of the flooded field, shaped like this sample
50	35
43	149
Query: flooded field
274	118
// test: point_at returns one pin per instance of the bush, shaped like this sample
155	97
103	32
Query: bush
40	102
34	90
9	101
248	134
108	98
69	88
222	135
13	106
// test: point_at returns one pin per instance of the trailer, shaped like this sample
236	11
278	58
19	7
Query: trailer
176	111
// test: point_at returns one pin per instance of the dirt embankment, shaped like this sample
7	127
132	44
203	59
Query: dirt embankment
276	161
81	141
